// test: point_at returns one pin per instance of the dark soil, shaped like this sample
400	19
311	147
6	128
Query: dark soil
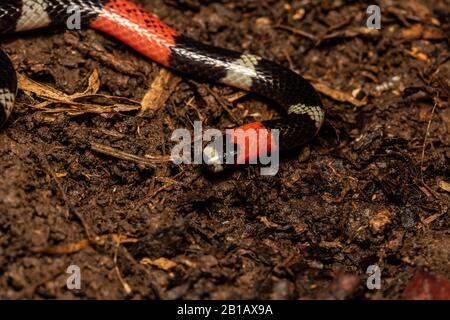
372	188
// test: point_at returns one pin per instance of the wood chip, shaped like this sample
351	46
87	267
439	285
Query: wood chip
160	90
162	263
336	94
64	248
418	31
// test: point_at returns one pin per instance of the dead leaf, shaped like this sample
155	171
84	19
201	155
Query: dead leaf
336	94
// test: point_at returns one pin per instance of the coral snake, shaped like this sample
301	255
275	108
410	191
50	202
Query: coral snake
143	31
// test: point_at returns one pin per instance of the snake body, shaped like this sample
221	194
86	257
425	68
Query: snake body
143	31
